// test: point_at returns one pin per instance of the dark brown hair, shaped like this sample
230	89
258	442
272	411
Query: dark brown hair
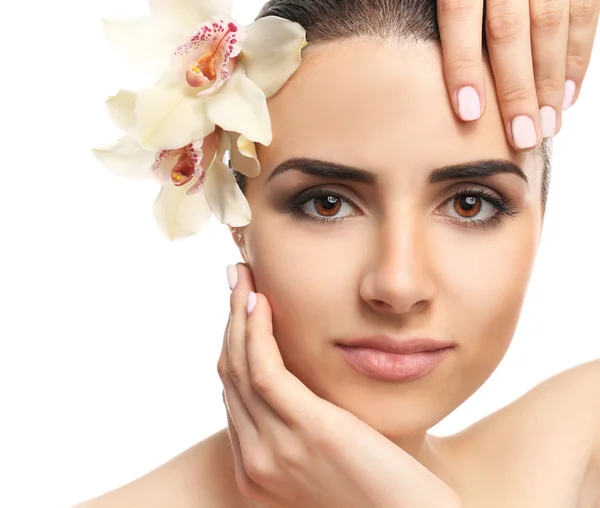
401	20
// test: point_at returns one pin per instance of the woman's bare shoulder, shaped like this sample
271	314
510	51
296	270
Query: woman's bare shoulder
551	433
560	416
570	398
567	401
191	479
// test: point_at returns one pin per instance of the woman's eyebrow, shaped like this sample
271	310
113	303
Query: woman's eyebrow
326	170
476	169
333	171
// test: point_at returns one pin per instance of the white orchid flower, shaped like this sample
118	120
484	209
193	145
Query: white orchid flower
195	179
214	77
211	70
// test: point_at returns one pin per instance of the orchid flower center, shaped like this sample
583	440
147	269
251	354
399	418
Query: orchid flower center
184	169
204	70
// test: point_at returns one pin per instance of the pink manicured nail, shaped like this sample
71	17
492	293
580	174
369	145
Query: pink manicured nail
523	132
251	301
548	117
232	276
469	105
569	94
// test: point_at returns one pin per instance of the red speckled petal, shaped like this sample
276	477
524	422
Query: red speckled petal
221	36
164	163
204	152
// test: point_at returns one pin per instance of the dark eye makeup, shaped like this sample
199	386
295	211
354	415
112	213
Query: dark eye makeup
501	206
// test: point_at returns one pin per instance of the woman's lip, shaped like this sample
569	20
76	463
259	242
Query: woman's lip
402	347
387	366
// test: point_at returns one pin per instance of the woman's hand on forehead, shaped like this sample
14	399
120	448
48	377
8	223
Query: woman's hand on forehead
539	51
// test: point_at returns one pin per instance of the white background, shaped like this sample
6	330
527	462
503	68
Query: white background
110	334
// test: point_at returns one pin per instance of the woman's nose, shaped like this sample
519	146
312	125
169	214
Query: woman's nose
398	276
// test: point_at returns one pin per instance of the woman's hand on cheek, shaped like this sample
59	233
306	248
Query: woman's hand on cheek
539	51
294	449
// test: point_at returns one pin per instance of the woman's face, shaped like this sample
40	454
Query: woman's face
392	251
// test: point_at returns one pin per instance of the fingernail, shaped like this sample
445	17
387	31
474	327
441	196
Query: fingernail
469	105
232	276
523	132
569	94
548	117
251	301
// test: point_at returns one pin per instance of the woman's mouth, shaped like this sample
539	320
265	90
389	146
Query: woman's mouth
392	366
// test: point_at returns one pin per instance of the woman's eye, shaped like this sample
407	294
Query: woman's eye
469	206
328	206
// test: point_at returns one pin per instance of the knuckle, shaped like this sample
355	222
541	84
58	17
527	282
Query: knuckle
582	12
547	87
577	62
517	93
464	65
455	6
236	372
504	27
263	383
548	15
260	468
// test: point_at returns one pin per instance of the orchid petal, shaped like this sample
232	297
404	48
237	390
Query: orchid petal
243	155
186	15
206	150
272	52
144	43
224	196
121	109
179	214
164	163
241	107
169	116
127	159
220	37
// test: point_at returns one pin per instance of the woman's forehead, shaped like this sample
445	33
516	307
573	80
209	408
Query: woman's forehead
373	104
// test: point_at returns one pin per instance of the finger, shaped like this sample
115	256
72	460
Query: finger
264	416
283	391
236	408
237	359
549	36
583	22
247	485
460	24
509	47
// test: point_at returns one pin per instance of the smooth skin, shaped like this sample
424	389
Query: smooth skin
294	449
539	51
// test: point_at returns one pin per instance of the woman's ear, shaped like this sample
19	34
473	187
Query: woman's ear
240	240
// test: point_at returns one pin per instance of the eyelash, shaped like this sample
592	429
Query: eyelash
503	206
